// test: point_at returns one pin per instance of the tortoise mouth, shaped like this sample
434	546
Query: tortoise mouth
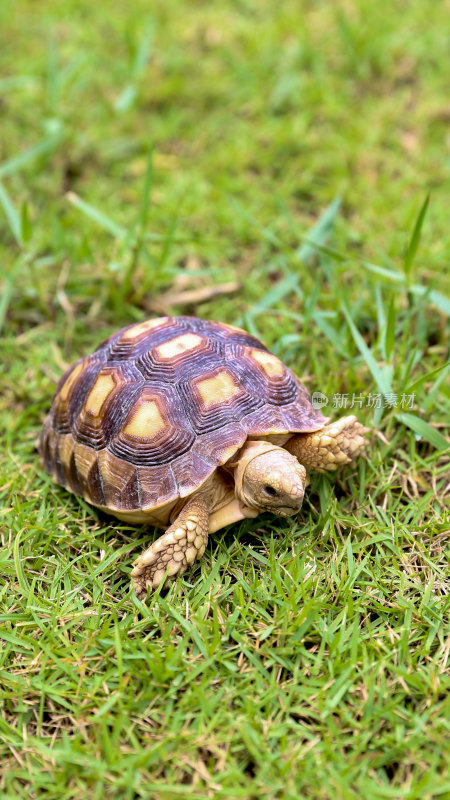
285	511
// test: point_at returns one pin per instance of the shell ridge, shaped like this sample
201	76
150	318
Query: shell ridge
101	479
139	486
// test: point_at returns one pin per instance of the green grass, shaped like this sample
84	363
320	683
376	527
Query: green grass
148	149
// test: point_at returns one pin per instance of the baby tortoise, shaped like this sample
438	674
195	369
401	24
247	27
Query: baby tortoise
189	425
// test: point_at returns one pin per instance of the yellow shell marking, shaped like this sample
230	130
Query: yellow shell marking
146	422
67	386
271	365
115	472
102	387
66	445
218	389
137	330
181	344
85	458
227	453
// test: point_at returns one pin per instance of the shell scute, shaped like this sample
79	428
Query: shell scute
216	399
120	479
265	375
159	366
191	470
166	435
105	407
87	468
158	486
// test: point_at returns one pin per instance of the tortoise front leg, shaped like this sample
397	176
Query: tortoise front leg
331	447
175	550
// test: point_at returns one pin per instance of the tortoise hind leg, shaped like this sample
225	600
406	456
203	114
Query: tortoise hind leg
175	550
331	447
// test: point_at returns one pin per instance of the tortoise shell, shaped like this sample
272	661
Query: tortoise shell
150	415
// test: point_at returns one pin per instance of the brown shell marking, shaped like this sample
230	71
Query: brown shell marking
159	405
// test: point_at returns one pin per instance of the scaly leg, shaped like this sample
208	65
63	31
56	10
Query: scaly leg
334	445
175	550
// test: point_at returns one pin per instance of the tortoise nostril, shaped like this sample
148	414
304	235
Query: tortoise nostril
270	490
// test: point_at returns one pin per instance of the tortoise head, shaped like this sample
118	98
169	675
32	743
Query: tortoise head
268	478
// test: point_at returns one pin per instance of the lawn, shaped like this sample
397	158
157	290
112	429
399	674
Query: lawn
282	167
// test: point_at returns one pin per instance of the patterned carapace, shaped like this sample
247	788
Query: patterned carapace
159	405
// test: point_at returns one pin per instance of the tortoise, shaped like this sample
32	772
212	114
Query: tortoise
188	425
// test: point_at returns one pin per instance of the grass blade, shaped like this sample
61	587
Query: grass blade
143	52
379	376
146	192
389	274
126	98
11	215
313	244
415	237
25	224
97	216
439	300
320	233
390	330
425	430
23	159
414	386
6	291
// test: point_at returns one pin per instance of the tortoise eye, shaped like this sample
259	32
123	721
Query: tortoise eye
270	490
